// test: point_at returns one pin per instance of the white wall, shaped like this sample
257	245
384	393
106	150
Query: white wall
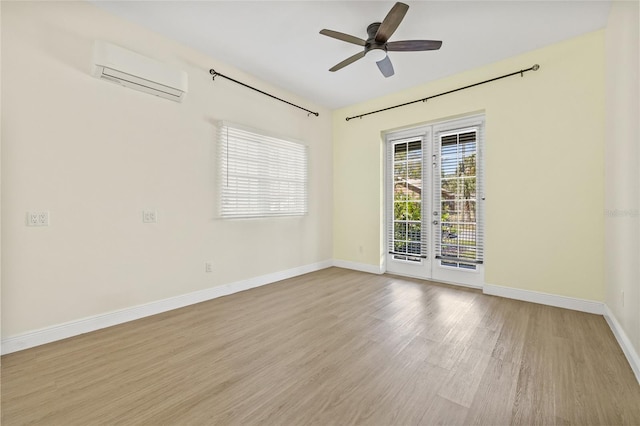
95	154
622	169
0	170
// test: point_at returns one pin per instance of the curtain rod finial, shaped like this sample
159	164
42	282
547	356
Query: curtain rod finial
536	67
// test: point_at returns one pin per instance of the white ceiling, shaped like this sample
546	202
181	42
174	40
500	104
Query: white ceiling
278	41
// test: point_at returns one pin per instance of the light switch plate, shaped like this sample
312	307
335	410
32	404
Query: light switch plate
149	216
38	218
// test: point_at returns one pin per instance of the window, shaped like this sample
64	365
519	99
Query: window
261	176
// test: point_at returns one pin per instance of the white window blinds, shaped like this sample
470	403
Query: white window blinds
260	176
406	225
460	236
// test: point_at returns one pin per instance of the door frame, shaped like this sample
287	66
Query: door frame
430	268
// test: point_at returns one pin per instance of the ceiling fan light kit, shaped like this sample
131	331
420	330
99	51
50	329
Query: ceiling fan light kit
377	44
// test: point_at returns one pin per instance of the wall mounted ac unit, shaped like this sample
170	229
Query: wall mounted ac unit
130	69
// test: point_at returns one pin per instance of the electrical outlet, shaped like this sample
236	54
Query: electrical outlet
32	219
43	218
208	267
149	216
38	218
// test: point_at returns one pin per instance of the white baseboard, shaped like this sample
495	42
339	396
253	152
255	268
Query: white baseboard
582	305
624	342
363	267
86	325
572	303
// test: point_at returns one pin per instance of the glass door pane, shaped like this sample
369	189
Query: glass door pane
407	201
458	176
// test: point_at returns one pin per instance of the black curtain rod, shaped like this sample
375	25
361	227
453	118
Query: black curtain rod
536	67
214	73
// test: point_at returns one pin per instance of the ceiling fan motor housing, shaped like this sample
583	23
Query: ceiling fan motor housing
372	44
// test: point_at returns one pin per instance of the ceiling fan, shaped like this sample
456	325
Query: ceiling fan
377	42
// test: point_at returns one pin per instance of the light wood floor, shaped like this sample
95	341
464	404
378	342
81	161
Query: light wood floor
328	348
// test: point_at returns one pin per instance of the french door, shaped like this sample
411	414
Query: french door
434	202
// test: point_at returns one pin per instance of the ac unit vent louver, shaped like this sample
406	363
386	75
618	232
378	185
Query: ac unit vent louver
130	69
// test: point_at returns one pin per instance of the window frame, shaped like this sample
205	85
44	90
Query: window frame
261	175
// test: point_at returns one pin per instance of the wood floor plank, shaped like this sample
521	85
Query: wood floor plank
334	347
462	383
493	401
442	411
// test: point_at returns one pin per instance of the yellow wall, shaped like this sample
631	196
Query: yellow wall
96	154
622	169
544	167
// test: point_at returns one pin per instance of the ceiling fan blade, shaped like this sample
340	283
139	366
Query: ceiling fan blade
344	37
413	45
347	61
391	22
386	67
